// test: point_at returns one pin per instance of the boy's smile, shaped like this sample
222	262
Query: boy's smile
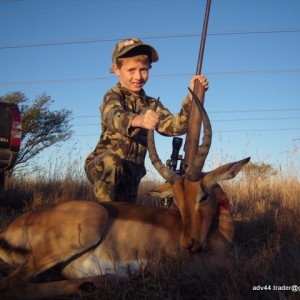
133	74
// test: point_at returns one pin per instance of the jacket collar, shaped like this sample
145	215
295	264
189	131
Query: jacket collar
128	92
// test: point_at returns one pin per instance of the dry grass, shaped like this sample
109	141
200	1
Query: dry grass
265	251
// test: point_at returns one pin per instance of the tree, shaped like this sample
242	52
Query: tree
261	171
41	127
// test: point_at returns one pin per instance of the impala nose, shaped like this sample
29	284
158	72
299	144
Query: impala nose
191	245
196	247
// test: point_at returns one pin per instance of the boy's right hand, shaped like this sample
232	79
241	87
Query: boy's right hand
148	121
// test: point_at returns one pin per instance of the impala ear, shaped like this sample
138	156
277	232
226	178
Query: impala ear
224	172
162	191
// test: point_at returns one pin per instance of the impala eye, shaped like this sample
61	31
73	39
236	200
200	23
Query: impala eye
204	198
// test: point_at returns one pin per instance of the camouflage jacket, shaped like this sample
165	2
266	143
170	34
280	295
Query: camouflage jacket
118	109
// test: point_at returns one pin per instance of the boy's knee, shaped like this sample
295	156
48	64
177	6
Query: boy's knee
102	165
111	160
107	161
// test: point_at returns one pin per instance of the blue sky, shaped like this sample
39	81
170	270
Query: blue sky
252	61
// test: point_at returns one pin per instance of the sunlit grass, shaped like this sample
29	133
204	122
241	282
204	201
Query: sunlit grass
265	251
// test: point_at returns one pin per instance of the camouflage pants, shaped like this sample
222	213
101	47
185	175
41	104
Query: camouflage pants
114	179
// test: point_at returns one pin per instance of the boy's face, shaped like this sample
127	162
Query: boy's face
133	74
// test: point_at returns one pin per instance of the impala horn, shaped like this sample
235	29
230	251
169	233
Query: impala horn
168	174
195	169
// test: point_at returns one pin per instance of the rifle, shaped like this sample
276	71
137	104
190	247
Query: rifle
194	127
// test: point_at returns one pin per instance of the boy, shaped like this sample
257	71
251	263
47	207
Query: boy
116	166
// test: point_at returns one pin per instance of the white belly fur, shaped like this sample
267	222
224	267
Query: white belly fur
97	263
117	253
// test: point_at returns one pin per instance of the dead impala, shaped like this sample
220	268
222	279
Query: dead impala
86	239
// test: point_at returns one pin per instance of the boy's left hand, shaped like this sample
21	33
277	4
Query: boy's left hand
201	79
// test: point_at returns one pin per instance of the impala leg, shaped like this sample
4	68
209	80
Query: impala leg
18	277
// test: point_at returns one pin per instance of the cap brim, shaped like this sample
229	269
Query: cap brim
154	54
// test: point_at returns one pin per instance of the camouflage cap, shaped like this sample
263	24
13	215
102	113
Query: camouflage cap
125	46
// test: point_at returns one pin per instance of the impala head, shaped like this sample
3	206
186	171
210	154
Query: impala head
192	191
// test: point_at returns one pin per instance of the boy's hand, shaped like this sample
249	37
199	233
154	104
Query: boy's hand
148	121
201	79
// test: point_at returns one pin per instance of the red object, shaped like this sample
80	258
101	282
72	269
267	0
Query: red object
16	129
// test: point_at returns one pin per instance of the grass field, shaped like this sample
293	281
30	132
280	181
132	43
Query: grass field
264	261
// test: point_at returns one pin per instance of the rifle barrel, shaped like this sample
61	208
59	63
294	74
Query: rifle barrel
194	127
203	38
